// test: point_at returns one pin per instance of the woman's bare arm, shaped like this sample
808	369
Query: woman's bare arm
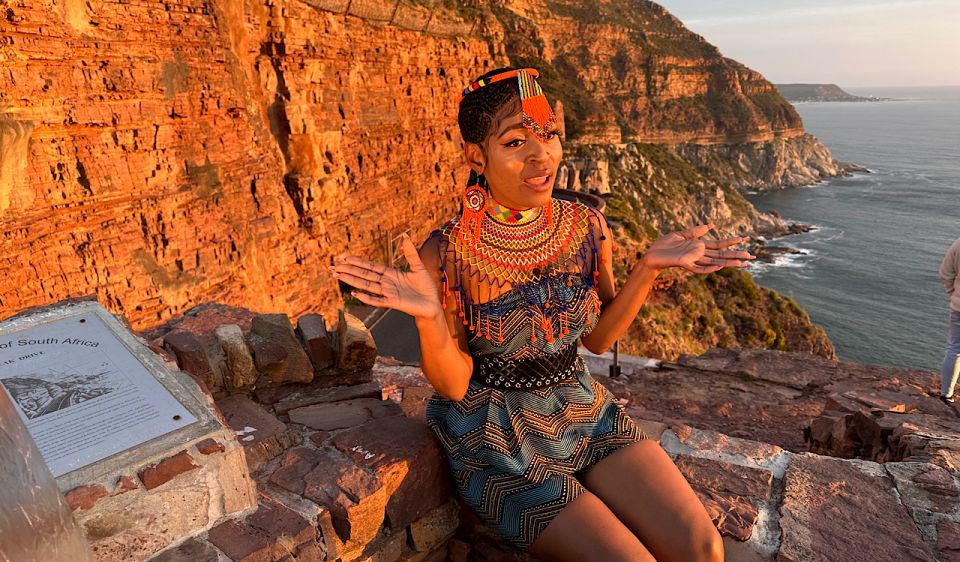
444	355
619	308
679	249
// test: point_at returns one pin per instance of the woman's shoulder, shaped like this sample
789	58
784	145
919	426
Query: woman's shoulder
589	217
437	245
447	228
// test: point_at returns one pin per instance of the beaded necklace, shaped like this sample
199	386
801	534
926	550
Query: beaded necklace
521	248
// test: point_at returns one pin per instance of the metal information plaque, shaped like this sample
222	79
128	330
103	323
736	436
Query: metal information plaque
80	390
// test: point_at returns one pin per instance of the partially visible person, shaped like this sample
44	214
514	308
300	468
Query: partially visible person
950	278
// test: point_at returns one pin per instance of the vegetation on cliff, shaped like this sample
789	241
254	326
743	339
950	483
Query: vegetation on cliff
654	191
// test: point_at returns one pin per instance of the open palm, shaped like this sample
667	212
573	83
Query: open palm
685	249
413	292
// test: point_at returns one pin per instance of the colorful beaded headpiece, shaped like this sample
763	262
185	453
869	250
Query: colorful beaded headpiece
538	117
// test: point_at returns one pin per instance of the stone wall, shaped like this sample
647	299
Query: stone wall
347	470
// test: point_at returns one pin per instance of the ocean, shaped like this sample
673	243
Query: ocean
868	273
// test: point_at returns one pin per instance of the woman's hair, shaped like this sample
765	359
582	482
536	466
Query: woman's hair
482	110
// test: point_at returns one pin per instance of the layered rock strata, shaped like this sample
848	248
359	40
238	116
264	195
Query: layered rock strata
233	149
628	71
167	154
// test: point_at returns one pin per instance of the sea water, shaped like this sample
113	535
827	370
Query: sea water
868	273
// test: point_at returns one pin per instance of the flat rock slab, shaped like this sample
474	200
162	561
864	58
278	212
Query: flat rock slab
768	396
948	540
263	436
272	532
844	510
316	395
925	486
705	441
406	456
722	402
192	550
340	415
794	370
731	493
249	419
294	466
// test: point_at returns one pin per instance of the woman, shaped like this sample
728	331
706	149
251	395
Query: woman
501	295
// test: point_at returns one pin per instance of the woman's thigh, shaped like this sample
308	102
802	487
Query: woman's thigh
586	530
646	491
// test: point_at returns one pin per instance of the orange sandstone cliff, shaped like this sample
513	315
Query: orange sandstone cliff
165	154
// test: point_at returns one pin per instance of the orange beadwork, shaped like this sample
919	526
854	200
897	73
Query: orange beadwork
515	253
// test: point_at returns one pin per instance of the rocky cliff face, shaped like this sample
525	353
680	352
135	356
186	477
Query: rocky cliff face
628	71
165	155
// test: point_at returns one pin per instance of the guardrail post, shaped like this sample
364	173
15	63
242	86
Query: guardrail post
395	8
429	19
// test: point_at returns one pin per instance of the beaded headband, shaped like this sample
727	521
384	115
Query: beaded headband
538	117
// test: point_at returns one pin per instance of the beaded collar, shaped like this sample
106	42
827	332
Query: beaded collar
505	215
519	249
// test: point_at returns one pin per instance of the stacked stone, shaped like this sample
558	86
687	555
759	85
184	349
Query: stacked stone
884	425
341	472
232	350
347	470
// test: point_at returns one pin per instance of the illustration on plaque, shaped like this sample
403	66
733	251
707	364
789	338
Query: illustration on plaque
81	392
53	390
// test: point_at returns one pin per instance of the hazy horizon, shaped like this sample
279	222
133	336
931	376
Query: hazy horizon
859	44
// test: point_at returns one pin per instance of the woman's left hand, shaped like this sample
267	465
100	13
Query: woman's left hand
685	249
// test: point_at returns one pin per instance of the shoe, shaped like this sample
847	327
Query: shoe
948	400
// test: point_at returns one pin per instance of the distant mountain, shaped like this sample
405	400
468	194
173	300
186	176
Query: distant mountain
819	92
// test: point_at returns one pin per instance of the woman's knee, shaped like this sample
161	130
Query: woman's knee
708	547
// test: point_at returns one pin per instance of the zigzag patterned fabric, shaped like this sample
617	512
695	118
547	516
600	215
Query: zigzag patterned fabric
516	455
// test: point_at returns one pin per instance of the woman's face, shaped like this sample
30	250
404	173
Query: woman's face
520	168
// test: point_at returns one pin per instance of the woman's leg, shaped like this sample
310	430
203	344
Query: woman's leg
646	491
951	359
586	530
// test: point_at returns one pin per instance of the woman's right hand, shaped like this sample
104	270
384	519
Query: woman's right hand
413	292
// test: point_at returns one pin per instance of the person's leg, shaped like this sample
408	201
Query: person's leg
951	359
586	530
646	491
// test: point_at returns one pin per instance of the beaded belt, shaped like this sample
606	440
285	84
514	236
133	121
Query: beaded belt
530	372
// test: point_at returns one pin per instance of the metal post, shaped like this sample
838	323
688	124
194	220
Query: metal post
427	25
615	366
395	8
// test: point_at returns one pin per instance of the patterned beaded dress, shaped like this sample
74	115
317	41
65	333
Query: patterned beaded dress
515	453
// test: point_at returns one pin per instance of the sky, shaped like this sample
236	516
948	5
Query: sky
852	43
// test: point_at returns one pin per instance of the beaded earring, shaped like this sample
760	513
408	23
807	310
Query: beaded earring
476	199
